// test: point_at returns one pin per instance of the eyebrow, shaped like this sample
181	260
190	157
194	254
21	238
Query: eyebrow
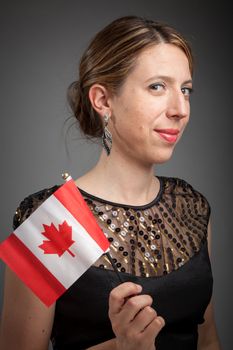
169	79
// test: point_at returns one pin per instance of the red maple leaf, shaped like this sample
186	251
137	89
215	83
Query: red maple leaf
59	240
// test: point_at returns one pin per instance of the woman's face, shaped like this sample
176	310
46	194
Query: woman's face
154	96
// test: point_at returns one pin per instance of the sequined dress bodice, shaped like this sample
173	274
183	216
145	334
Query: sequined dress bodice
161	245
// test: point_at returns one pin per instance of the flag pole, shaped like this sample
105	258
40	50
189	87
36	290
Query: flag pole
66	176
114	266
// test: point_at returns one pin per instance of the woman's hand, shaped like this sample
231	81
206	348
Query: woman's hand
134	322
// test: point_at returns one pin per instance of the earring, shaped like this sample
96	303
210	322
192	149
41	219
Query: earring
107	136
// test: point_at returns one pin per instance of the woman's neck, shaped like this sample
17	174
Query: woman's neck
119	180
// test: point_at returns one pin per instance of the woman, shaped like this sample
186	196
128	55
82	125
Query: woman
135	81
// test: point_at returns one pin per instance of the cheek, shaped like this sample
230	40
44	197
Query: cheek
132	127
142	130
132	115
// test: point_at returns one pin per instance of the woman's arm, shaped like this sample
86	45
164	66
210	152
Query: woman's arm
107	345
26	323
207	332
208	337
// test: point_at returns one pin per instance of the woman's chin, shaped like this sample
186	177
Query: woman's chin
162	156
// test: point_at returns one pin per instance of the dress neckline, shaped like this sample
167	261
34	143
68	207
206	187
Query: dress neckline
128	206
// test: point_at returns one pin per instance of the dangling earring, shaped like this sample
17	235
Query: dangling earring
107	136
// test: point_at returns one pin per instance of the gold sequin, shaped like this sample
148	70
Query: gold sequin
150	240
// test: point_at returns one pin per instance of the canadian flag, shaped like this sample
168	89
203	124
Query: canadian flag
58	242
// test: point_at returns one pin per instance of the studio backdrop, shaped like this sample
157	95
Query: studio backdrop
41	44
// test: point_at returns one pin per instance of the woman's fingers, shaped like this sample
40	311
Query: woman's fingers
146	339
133	306
143	319
119	294
154	327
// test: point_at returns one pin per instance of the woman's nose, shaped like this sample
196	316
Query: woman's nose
178	105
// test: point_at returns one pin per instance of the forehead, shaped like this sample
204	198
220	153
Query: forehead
161	59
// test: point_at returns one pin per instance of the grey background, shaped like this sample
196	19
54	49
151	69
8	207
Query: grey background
41	42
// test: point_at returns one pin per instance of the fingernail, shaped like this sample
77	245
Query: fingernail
139	287
161	321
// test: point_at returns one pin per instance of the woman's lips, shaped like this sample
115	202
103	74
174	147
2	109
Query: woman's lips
170	137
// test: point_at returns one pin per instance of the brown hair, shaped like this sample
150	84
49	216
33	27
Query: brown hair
110	57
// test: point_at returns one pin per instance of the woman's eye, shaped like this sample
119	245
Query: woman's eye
157	87
187	91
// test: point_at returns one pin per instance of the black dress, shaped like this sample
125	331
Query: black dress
161	245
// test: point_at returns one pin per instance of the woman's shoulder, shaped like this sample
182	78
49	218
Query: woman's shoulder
188	193
30	203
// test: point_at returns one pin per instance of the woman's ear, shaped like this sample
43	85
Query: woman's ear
100	99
